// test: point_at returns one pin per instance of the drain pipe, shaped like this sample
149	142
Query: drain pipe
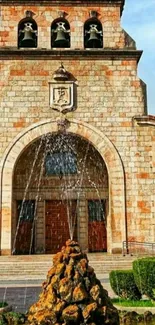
125	208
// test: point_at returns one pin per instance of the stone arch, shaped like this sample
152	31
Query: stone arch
116	221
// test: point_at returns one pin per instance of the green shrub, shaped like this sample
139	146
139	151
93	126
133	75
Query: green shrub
144	274
14	318
3	304
123	284
2	320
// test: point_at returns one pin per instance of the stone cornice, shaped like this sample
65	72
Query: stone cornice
145	120
44	54
62	2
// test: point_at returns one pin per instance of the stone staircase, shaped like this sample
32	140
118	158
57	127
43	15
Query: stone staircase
35	267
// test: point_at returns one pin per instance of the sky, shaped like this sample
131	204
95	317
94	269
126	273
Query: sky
138	20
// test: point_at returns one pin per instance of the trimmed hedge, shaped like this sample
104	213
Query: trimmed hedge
144	275
123	284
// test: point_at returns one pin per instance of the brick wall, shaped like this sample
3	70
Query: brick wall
109	94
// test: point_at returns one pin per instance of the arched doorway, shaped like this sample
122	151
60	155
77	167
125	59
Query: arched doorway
60	190
116	221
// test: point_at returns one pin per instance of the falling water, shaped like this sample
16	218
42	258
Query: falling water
38	191
4	296
70	178
25	192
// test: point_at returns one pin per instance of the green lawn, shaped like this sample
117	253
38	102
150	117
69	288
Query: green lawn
132	303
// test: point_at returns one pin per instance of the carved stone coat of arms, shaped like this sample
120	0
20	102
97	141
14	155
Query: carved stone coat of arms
61	96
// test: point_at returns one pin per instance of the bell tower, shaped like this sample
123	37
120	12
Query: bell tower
67	25
69	71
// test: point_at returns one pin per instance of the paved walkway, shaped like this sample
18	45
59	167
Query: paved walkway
22	294
20	298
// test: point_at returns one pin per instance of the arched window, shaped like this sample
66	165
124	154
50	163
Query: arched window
93	33
60	163
60	33
27	33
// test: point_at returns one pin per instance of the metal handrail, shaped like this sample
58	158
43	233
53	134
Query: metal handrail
136	247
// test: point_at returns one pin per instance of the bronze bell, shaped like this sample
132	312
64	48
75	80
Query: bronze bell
61	40
28	39
94	40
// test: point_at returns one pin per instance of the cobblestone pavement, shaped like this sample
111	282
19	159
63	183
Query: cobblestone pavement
22	295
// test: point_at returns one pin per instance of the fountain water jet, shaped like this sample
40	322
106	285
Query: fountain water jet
61	169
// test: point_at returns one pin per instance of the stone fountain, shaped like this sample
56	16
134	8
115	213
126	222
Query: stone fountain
72	294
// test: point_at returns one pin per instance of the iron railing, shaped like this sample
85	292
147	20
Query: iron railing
138	248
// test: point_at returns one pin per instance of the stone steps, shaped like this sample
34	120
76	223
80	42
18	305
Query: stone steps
47	258
36	266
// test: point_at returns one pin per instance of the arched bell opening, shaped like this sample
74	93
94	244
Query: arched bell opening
60	190
93	33
27	33
60	33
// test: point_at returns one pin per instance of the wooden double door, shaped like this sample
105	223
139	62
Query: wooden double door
58	215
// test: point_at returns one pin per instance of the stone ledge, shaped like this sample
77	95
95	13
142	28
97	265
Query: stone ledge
41	54
5	309
138	310
5	252
60	2
145	120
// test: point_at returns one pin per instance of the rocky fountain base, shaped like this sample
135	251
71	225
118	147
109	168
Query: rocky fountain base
72	294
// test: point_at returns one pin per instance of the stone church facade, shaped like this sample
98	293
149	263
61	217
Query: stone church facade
77	147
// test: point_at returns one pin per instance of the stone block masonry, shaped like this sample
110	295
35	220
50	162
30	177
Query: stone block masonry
109	112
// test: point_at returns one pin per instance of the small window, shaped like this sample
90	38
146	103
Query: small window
96	210
27	33
60	163
93	34
60	33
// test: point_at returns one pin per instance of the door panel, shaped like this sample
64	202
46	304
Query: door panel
24	241
57	229
97	233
